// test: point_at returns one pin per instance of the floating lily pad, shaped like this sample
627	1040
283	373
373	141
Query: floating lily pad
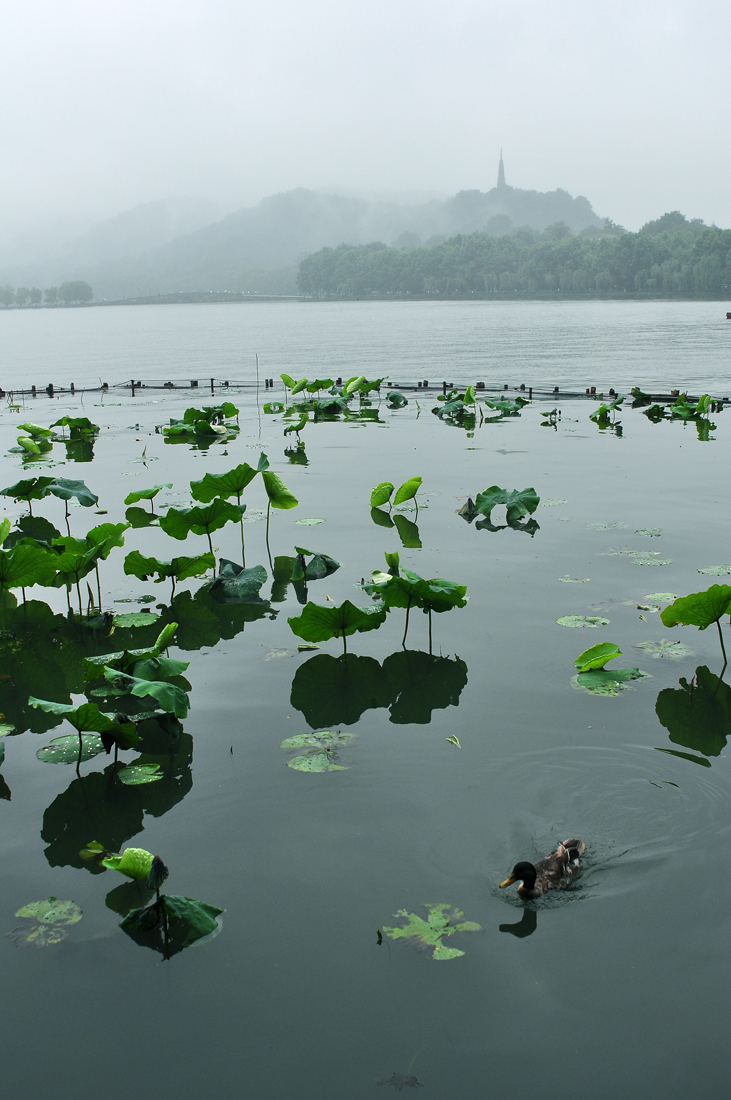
65	750
582	620
552	503
309	522
645	557
442	920
48	919
602	681
607	526
51	911
650	532
716	570
676	651
253	515
574	580
320	750
135	774
662	596
135	618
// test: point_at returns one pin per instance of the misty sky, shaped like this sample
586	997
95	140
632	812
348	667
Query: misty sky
109	105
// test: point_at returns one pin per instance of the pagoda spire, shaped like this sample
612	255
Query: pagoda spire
501	172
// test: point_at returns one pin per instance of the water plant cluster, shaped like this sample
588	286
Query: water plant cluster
137	696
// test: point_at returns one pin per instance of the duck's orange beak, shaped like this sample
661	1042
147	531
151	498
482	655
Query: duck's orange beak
508	882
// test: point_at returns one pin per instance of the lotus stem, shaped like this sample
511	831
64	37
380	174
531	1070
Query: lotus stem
210	547
430	632
67	519
81	753
406	627
723	647
269	508
30	508
243	548
78	592
345	645
98	584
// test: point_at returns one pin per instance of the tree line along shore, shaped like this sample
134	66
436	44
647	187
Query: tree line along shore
686	260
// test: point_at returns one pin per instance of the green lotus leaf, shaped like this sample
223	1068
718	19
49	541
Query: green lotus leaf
288	381
64	489
171	698
31	527
79	425
381	494
84	717
179	522
353	384
278	493
35	430
33	488
407	491
442	920
106	536
181	568
133	862
319	623
146	494
699	608
25	565
597	656
65	750
235	581
396	400
29	445
519	502
230	484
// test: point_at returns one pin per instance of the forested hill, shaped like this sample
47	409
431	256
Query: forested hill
687	260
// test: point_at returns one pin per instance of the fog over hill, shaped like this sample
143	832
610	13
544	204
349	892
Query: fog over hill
176	244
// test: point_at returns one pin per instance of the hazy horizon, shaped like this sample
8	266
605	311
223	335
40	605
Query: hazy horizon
116	107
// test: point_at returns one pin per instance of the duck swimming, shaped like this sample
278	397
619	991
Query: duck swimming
555	872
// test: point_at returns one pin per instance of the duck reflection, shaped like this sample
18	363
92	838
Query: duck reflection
526	926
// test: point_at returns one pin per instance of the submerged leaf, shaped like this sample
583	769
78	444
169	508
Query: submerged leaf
676	651
716	570
582	620
135	774
442	920
51	911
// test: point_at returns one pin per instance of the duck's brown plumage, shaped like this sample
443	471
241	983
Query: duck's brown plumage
555	872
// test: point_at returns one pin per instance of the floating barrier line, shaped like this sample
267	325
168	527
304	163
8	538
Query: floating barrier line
270	385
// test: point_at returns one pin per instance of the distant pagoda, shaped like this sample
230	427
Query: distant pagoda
501	173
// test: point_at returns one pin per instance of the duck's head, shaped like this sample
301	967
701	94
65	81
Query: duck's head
522	872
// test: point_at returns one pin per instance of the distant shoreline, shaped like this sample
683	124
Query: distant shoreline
234	297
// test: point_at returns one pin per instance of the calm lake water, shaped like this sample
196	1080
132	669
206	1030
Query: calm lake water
618	987
658	345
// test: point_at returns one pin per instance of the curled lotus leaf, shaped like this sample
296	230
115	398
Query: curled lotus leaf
597	656
133	862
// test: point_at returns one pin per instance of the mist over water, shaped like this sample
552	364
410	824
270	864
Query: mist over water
572	345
